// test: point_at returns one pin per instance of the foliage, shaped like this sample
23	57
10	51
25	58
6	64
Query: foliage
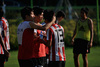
68	25
14	18
13	23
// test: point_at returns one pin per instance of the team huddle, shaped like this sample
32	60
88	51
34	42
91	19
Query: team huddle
41	45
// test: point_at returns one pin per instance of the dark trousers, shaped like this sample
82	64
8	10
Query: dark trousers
56	64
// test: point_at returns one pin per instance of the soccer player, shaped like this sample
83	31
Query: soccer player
3	50
40	47
26	37
82	38
55	42
60	15
6	32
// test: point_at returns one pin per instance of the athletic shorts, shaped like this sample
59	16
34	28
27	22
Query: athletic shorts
46	61
2	60
56	64
34	62
41	61
27	63
81	46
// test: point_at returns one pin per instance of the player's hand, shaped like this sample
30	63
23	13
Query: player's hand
7	54
90	44
41	41
72	42
54	19
44	34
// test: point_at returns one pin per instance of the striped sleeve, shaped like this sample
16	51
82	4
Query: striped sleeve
4	25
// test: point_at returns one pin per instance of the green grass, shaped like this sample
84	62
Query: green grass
93	58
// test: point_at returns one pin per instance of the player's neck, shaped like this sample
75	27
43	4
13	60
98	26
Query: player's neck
84	18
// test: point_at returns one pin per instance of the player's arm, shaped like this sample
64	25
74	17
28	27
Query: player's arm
49	38
4	31
3	46
91	31
63	33
74	33
36	26
48	43
35	33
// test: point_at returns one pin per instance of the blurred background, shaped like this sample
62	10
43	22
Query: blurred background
72	10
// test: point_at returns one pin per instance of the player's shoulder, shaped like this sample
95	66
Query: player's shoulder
90	21
4	19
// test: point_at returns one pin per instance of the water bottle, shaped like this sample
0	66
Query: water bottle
41	35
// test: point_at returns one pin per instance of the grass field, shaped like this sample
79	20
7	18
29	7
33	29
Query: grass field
93	58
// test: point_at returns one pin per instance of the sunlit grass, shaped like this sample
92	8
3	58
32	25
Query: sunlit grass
93	58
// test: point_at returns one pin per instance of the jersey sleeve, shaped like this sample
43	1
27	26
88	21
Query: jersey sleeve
4	25
35	31
62	28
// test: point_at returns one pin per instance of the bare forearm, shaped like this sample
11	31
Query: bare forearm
74	35
47	25
91	34
36	26
91	37
48	43
91	30
2	43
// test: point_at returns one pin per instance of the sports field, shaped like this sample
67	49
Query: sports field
93	58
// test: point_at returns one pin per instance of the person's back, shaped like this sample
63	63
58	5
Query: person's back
57	52
26	40
55	42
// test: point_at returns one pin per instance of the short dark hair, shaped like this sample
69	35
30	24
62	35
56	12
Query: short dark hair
26	11
60	14
85	9
1	12
37	10
48	15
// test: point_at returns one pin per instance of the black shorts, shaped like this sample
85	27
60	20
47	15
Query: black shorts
56	64
46	60
27	63
32	62
81	46
41	61
2	60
